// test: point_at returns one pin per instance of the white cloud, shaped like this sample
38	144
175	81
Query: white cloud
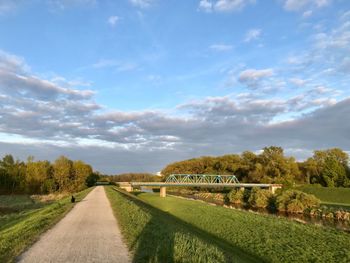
206	6
12	62
223	5
112	20
320	90
252	76
118	65
141	3
221	47
345	15
297	82
307	14
103	63
252	34
297	5
230	5
127	66
64	4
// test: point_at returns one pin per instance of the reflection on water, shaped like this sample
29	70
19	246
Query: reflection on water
301	218
146	189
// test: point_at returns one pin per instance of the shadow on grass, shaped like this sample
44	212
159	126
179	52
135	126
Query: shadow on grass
157	240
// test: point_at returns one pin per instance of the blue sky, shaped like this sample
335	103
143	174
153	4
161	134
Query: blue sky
131	85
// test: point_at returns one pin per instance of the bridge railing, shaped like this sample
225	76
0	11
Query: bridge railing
202	178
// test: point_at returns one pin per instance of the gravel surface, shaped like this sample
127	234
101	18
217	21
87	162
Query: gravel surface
88	233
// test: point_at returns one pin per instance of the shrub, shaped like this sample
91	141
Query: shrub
91	179
259	198
296	201
295	206
236	196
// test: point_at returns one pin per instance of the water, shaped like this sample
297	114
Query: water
146	189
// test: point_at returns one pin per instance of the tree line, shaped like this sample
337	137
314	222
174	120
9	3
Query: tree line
133	177
329	168
43	177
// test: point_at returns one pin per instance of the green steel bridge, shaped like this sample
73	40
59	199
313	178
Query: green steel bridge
198	180
202	178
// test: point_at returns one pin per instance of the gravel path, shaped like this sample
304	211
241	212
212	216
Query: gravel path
88	233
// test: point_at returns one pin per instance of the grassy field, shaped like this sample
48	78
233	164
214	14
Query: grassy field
267	238
330	196
16	202
157	236
21	229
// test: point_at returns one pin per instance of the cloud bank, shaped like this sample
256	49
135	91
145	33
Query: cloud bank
49	118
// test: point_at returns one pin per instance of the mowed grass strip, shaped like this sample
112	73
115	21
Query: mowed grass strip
19	230
156	236
267	237
330	195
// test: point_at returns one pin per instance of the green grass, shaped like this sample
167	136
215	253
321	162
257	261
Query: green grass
328	195
268	238
16	202
336	206
154	235
19	230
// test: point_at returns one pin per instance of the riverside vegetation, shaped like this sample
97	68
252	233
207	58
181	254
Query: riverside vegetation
290	202
219	234
328	168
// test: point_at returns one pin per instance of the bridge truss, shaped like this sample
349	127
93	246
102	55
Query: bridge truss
202	178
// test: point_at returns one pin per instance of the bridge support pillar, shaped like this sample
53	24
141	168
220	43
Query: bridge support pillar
273	188
129	188
162	191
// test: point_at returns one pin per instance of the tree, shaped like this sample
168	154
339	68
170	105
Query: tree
81	172
63	173
37	173
328	168
259	198
271	166
92	179
135	177
236	196
296	201
12	175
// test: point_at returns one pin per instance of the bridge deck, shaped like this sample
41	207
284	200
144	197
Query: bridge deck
233	185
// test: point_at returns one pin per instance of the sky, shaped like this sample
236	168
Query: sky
132	85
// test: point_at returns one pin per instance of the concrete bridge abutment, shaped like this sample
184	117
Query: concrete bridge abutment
162	191
273	188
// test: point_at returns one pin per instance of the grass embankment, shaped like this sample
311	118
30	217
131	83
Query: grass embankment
16	203
154	235
336	197
19	230
268	238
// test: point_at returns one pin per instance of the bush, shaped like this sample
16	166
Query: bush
236	196
296	201
295	206
259	198
92	179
